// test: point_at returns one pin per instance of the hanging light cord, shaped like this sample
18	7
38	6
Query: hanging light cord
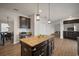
37	8
7	19
38	12
48	11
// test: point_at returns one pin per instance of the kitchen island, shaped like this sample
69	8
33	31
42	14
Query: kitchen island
37	46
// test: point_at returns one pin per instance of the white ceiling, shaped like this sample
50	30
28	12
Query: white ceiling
58	10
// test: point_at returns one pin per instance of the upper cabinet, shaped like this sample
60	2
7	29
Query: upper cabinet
71	21
25	22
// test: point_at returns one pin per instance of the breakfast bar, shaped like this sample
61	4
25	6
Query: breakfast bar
37	46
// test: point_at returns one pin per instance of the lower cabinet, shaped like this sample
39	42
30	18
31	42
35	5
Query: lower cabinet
42	49
78	45
71	34
40	52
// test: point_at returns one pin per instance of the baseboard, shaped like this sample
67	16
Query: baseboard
16	42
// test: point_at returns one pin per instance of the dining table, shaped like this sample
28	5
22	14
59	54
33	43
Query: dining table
3	36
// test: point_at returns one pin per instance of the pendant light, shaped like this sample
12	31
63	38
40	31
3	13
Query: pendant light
38	14
7	24
49	21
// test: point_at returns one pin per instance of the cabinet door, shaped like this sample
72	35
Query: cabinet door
24	22
50	46
37	53
41	52
28	22
25	50
78	45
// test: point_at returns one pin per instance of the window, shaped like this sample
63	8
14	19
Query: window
4	27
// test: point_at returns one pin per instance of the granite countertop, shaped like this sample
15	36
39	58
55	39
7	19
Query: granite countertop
33	41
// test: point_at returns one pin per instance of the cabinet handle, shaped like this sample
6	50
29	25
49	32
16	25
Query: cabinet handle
41	54
34	49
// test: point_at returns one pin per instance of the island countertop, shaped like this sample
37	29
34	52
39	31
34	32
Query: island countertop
35	40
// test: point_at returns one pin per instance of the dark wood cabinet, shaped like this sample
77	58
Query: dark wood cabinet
24	22
41	52
71	21
71	34
42	49
50	46
78	45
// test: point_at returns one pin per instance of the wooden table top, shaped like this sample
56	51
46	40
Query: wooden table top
33	41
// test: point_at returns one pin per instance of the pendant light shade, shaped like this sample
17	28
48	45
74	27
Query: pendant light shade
38	14
49	21
38	17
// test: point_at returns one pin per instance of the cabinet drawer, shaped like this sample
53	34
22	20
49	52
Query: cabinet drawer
41	52
37	47
37	53
25	51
